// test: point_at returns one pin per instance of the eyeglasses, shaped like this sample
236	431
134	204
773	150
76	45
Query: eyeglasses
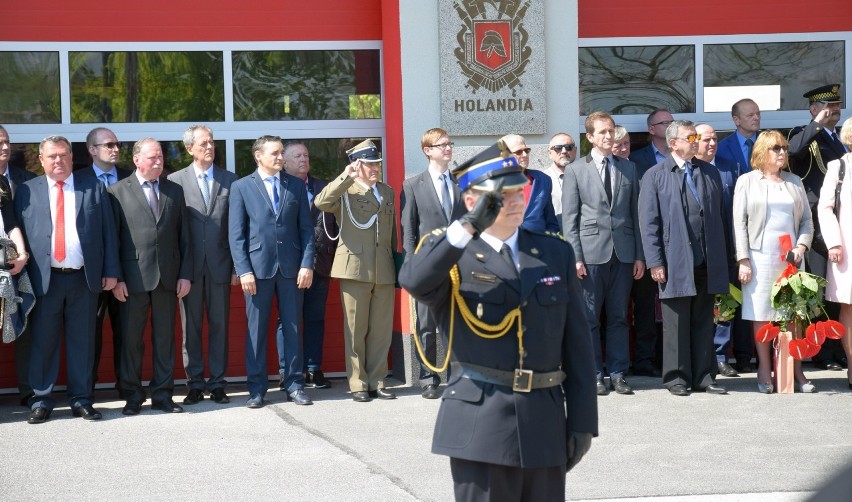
449	144
692	138
568	147
523	151
663	122
110	145
778	148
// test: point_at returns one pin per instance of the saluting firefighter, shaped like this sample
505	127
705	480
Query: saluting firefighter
510	307
363	262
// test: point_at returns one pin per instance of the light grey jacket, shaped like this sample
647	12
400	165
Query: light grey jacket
750	200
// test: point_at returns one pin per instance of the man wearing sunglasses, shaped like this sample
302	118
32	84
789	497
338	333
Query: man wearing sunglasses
812	147
683	237
104	147
539	215
562	151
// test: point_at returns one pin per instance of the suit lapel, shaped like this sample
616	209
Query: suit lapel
616	177
595	175
427	187
214	189
78	199
137	192
261	187
494	263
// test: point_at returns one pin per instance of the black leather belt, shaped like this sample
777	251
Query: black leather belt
57	270
518	380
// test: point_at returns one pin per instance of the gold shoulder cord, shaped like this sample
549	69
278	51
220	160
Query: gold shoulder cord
482	329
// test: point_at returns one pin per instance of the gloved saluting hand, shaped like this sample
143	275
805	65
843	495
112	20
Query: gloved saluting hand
485	210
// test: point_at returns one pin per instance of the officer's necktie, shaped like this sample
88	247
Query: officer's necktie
750	145
205	190
690	181
105	178
446	201
506	253
153	201
59	224
607	180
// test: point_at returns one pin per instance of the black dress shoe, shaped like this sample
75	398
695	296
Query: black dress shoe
430	392
87	411
382	394
194	396
678	390
621	386
714	388
299	397
725	369
131	409
316	380
38	416
219	396
646	370
361	396
828	365
168	406
602	389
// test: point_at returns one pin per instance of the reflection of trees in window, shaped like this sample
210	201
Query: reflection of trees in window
796	67
147	86
30	88
306	85
637	80
328	155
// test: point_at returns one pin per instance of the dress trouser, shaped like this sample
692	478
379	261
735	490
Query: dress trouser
688	356
644	321
609	284
108	305
481	482
427	327
313	322
216	297
367	330
67	308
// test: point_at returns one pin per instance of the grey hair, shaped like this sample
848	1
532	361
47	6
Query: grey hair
189	133
671	130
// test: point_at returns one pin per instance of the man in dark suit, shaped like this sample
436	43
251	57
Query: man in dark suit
68	223
812	147
156	268
429	200
562	151
737	147
644	289
104	147
503	418
539	215
680	217
272	243
736	329
297	162
17	176
600	197
205	189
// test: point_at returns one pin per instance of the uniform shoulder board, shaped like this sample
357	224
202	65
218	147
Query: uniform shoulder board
439	231
556	235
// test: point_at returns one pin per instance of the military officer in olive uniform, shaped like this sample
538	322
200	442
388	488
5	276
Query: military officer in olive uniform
363	262
510	307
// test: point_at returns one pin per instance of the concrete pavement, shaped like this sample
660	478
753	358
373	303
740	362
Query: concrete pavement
744	446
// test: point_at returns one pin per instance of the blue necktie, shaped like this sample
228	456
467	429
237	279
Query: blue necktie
690	181
205	190
275	201
750	146
105	178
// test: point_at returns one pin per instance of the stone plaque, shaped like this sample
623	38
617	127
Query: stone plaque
492	67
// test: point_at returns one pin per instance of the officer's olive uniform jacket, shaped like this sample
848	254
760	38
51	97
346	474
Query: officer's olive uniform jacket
490	423
362	255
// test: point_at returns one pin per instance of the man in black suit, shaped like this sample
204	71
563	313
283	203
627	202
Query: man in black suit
644	288
206	188
429	200
17	176
68	224
156	268
103	146
297	162
812	147
522	351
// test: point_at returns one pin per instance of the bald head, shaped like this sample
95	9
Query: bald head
707	143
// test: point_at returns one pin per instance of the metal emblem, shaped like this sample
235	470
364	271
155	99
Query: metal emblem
479	310
534	251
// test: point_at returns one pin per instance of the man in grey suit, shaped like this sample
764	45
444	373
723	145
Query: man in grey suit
205	189
600	197
103	146
17	176
156	267
429	201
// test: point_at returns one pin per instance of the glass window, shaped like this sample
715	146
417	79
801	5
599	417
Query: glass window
775	75
307	85
30	84
113	87
328	155
637	80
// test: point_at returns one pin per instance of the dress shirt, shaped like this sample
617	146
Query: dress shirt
598	158
660	156
113	174
73	249
497	244
268	187
209	172
438	183
741	140
458	237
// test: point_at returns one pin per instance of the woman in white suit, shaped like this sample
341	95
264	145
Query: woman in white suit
835	230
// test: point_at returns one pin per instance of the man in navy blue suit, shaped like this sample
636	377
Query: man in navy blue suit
539	215
272	242
68	223
734	330
737	147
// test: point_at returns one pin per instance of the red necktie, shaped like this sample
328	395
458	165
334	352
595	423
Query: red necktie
528	190
59	244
